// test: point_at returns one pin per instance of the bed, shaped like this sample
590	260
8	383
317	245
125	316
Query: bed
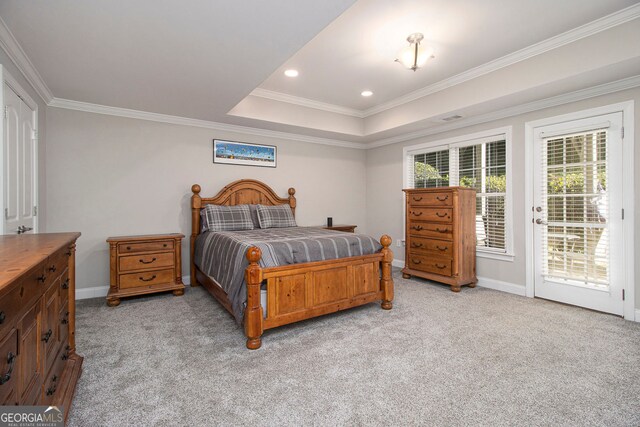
296	291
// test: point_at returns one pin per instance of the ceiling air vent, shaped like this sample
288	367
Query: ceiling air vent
451	118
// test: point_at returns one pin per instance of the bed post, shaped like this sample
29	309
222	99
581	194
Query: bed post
387	280
253	313
292	200
196	205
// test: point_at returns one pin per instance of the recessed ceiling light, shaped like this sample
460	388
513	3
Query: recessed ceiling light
366	93
291	73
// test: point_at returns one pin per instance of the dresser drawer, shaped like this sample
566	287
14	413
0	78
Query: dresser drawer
56	264
430	214
64	288
147	278
52	383
160	245
9	365
26	291
428	229
442	248
430	199
144	261
429	264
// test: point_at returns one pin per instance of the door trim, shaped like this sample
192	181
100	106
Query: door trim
628	261
7	78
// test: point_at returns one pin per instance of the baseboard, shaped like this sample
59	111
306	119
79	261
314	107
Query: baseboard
398	263
101	291
637	315
95	292
498	285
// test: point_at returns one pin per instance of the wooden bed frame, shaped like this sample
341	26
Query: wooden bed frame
298	291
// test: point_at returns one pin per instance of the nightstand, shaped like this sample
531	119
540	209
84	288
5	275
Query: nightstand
144	265
342	227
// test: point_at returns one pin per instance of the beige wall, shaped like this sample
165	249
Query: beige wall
109	176
385	197
9	66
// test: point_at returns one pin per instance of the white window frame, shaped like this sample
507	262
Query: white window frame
464	141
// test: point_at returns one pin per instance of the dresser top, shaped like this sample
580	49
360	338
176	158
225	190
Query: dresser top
145	237
20	253
437	189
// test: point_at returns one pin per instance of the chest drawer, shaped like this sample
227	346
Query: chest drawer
428	229
19	297
430	214
429	264
146	261
8	366
56	264
147	278
440	247
159	245
431	199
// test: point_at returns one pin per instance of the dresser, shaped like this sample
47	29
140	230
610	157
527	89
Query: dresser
38	360
440	235
144	265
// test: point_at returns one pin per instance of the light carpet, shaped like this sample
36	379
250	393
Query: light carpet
478	357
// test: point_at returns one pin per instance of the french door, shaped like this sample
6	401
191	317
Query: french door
577	194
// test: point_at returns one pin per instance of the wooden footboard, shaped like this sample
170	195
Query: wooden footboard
302	291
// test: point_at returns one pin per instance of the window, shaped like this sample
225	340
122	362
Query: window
479	161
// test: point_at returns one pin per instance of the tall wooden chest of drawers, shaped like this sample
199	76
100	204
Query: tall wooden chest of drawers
38	360
144	264
440	235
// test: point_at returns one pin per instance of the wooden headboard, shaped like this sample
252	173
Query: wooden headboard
243	191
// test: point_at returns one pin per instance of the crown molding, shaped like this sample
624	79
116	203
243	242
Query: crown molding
305	102
617	18
185	121
579	95
10	45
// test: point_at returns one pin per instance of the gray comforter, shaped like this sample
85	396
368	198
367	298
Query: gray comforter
221	255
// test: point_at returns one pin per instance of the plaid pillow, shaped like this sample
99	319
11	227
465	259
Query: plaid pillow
276	216
226	218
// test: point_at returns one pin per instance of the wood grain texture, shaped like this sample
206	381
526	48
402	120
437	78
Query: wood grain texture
440	235
37	308
342	227
298	291
144	264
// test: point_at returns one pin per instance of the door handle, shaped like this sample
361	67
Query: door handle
541	222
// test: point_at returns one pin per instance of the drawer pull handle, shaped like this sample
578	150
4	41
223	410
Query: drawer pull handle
416	199
52	269
442	199
47	336
442	230
164	246
417	227
65	319
42	278
147	262
441	248
52	390
416	245
147	280
416	213
69	253
441	266
128	248
65	284
2	317
439	215
65	356
416	261
11	358
54	379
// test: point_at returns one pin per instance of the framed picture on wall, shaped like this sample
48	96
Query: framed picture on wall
242	153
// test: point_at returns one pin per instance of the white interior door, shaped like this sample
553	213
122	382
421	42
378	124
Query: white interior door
577	237
20	165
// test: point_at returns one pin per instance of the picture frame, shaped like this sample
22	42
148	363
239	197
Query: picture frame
244	153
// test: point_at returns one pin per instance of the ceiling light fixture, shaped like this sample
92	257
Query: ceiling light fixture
415	56
366	93
291	73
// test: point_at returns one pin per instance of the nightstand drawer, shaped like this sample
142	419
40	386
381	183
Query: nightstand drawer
430	214
136	280
160	245
430	264
144	261
431	199
441	247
